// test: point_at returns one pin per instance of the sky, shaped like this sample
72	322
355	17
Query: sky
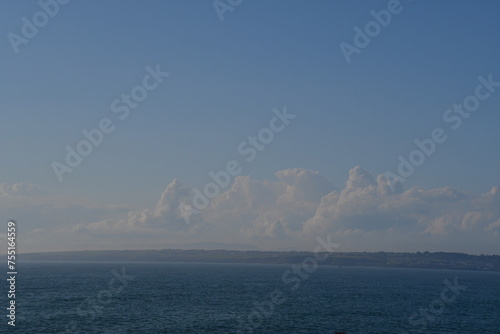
251	124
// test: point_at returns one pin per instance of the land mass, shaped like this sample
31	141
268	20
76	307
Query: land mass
438	260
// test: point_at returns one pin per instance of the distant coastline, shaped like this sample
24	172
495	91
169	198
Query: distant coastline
428	260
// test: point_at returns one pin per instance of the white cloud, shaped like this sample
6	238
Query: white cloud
19	190
165	216
302	204
285	213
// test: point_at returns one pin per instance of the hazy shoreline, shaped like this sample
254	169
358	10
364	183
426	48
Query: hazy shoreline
428	260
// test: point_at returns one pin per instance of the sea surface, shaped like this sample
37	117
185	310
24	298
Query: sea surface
110	297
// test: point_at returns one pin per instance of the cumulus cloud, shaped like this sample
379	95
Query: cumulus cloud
266	209
165	216
301	204
366	204
298	205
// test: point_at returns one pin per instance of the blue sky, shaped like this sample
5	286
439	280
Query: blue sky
225	79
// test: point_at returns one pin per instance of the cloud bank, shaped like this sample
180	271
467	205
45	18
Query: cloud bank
289	213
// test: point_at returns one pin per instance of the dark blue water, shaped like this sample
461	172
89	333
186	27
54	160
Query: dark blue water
219	298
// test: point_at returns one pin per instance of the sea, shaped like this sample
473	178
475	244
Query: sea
128	297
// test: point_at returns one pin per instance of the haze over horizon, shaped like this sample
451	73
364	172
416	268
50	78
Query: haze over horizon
259	131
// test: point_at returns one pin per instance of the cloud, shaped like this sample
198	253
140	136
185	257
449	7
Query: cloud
265	209
42	218
285	213
365	204
165	216
301	204
19	190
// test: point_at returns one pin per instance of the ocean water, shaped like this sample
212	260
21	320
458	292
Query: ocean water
105	297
